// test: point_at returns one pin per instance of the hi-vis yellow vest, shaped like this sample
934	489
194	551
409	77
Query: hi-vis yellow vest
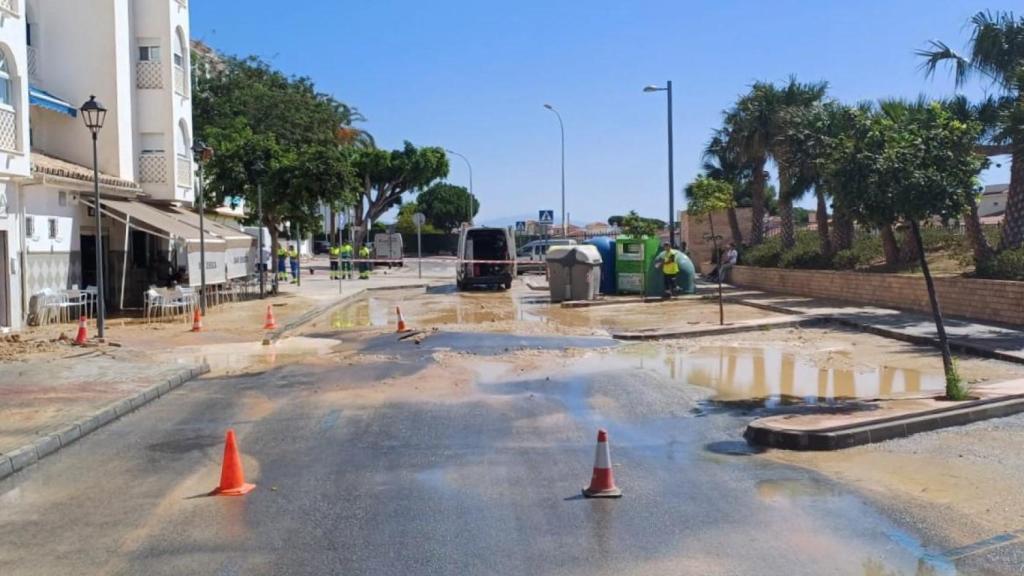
669	265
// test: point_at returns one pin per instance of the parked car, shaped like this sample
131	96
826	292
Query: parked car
492	244
531	256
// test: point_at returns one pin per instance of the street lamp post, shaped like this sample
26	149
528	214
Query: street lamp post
469	205
259	233
671	162
561	128
93	113
202	153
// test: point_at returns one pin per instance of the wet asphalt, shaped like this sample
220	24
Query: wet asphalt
487	484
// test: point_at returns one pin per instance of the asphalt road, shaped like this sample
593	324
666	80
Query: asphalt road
352	479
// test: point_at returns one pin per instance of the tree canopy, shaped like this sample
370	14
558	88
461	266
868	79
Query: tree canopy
447	205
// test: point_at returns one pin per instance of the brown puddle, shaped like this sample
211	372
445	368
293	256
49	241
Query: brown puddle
424	310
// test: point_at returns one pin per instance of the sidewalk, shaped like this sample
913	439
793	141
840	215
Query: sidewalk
53	393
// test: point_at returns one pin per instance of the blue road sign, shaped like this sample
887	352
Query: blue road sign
547	216
520	226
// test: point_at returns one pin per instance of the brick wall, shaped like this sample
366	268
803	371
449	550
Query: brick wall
991	300
694	229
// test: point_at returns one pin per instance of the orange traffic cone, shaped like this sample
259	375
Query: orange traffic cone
602	483
232	477
270	323
83	333
197	321
401	321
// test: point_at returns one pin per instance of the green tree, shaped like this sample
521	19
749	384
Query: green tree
447	205
637	226
996	54
385	175
915	163
721	162
706	196
273	132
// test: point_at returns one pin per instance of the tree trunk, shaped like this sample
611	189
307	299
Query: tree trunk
786	214
1013	223
757	207
718	259
823	236
842	230
734	227
275	236
947	356
889	246
909	251
975	235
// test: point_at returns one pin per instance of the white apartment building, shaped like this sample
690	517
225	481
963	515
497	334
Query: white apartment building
134	56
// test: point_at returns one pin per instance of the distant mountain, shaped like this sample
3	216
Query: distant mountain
503	221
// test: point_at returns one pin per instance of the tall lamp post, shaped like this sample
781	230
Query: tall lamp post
671	183
202	153
93	113
469	205
259	230
561	128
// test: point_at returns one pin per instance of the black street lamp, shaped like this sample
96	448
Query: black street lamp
202	153
671	161
93	113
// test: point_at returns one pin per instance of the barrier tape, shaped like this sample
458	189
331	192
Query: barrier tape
442	260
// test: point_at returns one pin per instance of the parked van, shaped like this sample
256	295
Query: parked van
486	244
388	246
532	256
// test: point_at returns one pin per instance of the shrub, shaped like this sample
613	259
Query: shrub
804	256
864	251
956	388
1007	265
764	255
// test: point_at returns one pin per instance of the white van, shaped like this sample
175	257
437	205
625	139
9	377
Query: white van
388	247
531	257
494	245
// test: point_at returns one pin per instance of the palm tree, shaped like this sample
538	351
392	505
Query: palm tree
721	162
997	55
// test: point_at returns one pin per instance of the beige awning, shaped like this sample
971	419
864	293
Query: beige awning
234	237
149	218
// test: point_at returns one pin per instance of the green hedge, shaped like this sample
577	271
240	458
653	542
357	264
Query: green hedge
1007	265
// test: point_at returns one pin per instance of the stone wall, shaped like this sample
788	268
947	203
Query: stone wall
985	300
694	229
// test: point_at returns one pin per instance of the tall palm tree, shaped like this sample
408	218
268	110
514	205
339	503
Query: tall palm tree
997	55
748	128
721	162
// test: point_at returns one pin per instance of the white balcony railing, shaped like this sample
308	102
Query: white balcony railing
184	172
179	81
148	76
153	167
8	129
33	62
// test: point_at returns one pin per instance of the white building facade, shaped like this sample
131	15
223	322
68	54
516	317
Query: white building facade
134	56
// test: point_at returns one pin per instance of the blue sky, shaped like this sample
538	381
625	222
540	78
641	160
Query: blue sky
473	76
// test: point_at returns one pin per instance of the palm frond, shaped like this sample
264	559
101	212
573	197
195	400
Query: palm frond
940	53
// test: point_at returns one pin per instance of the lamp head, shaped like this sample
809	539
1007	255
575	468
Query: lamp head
93	114
652	88
549	106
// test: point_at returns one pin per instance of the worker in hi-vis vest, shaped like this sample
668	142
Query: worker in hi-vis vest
293	255
364	266
346	260
668	260
282	263
332	254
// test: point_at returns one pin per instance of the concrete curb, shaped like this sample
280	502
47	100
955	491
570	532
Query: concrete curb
29	454
720	330
839	437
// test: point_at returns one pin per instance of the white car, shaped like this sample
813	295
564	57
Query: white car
531	256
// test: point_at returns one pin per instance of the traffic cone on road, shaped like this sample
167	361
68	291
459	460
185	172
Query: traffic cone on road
197	321
232	477
83	332
401	321
602	483
270	323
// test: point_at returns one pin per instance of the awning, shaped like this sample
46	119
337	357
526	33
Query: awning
59	173
234	237
148	218
43	99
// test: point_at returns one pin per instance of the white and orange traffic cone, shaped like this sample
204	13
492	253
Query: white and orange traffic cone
602	482
83	332
270	323
197	321
401	321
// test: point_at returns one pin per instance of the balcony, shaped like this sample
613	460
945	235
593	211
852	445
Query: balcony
9	6
179	81
33	62
148	76
153	167
184	172
8	130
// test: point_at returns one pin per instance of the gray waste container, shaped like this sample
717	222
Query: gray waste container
574	272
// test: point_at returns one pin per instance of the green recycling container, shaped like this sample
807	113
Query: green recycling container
634	266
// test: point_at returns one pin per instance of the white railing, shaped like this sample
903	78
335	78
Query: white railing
148	75
179	81
153	167
184	172
33	62
8	129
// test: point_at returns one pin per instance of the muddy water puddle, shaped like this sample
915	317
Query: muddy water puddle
428	309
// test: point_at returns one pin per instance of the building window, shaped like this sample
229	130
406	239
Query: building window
179	54
30	227
5	80
149	53
51	228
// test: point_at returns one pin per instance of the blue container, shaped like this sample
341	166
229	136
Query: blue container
606	247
